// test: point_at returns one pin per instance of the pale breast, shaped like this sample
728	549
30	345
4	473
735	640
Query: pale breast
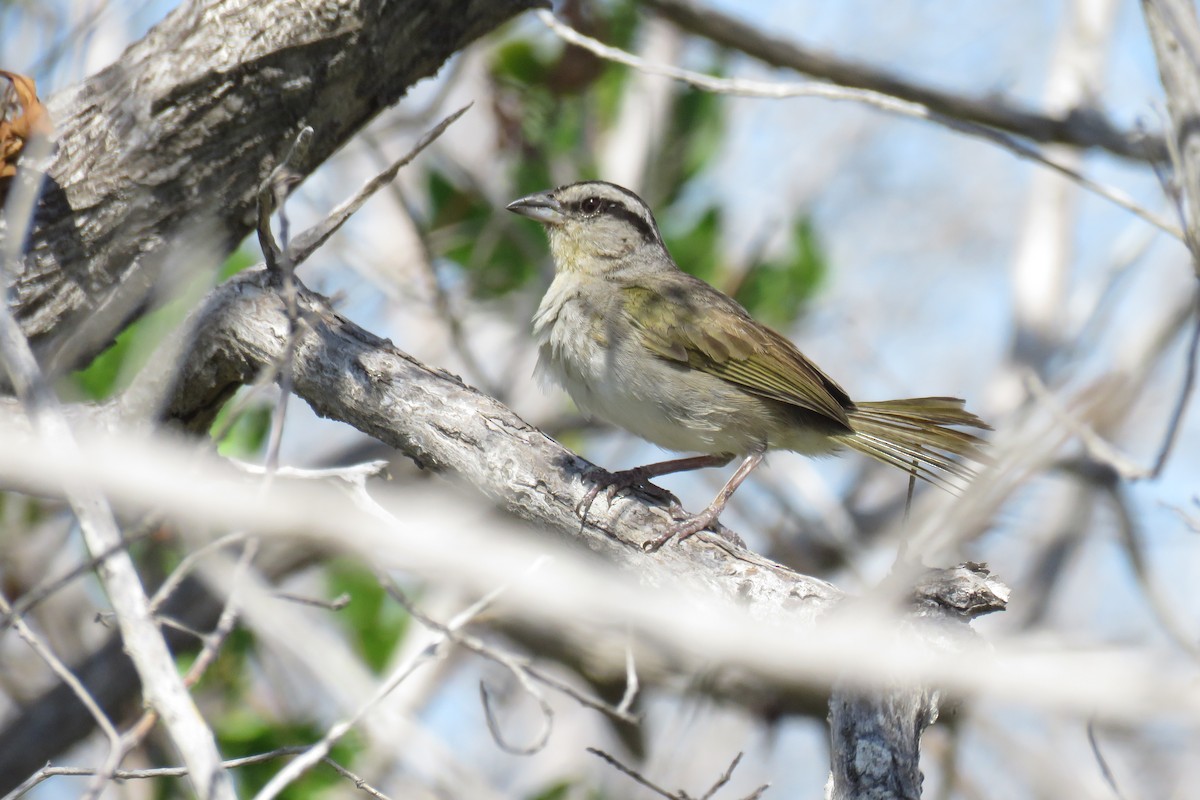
593	352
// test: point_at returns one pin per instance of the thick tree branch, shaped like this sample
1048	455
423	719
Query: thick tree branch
1081	127
162	153
348	374
876	734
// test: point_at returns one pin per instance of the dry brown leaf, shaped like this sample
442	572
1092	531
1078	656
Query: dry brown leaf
23	116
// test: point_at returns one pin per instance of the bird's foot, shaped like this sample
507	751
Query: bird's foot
612	482
705	520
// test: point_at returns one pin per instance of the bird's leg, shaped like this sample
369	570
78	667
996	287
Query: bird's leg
612	482
709	515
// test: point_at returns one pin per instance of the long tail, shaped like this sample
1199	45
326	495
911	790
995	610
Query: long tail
913	435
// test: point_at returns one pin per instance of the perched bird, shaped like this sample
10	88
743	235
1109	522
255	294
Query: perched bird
642	344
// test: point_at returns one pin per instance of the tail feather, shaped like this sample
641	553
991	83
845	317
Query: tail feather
912	435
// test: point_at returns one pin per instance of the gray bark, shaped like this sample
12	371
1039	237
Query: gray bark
876	733
1175	33
163	151
348	374
1083	127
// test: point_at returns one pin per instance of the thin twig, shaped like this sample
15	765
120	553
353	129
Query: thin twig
273	195
212	641
724	779
336	604
178	772
316	752
1160	606
1082	127
637	776
1109	778
63	672
186	566
37	594
1185	394
515	664
164	689
1095	445
632	685
441	297
493	724
307	242
884	102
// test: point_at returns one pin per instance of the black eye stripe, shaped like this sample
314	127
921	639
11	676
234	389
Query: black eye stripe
594	206
634	219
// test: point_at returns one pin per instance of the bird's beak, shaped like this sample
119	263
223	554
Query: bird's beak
541	206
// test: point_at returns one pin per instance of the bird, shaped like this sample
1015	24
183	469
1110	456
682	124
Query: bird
640	343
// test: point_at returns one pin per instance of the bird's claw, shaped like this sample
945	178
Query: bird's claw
613	482
705	520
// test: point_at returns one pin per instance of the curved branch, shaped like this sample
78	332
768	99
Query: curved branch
1085	128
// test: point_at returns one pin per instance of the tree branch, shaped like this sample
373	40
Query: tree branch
1083	127
159	154
876	734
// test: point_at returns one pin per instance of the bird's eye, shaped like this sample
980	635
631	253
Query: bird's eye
590	205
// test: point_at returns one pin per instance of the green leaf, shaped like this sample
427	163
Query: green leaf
493	254
245	731
776	291
248	433
696	249
520	61
376	624
556	791
111	370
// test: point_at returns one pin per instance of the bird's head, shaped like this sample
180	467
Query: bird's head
593	223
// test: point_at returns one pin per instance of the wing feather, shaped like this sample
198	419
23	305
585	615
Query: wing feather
695	325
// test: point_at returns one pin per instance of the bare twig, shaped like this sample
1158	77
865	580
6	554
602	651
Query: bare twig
637	776
178	772
316	752
336	604
631	682
188	564
40	592
442	306
1084	127
1095	445
884	102
680	795
519	666
1185	394
164	689
212	641
307	242
1160	605
60	669
494	726
724	779
1109	778
272	196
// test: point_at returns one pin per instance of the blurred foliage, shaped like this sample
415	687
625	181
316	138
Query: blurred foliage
776	290
555	103
245	436
375	623
133	346
244	731
109	371
558	791
697	249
